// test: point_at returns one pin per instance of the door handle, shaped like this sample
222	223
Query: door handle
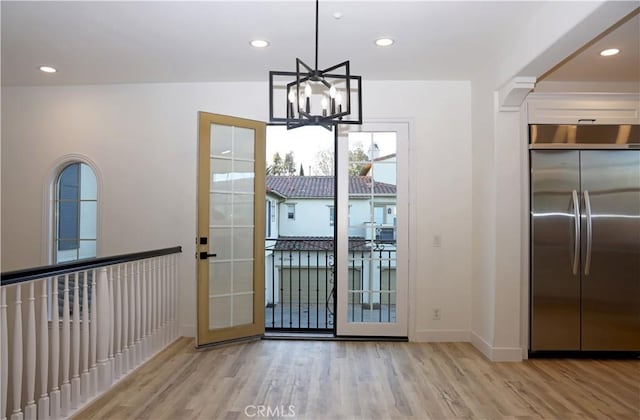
587	206
576	233
204	255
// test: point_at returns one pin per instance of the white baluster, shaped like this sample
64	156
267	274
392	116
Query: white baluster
174	295
138	347
4	350
16	372
145	317
118	320
75	344
163	300
30	408
150	303
124	368
161	304
93	336
176	317
153	286
65	388
167	292
43	350
167	325
131	292
103	321
85	376
112	362
55	352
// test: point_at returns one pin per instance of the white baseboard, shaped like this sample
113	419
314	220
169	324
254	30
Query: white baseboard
187	330
441	336
507	354
479	343
496	354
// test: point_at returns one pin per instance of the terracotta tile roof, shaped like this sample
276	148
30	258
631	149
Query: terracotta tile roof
314	243
322	186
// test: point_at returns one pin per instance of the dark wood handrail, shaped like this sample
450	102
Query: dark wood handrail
20	276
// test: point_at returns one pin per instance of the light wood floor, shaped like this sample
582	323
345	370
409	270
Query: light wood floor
331	379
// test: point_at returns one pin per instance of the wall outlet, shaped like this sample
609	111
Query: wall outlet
436	314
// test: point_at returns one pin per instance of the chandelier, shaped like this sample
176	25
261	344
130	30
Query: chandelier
309	96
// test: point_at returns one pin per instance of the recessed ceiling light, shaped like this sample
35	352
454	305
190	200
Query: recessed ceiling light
384	42
259	43
48	69
608	52
337	15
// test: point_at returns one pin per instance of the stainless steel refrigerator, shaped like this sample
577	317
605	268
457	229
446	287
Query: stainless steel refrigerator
585	248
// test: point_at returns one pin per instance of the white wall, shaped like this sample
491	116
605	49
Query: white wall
440	190
311	217
143	139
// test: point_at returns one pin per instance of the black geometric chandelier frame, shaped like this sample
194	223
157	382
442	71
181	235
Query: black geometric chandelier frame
310	96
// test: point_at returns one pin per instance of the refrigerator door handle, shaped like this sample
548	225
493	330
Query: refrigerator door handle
587	206
576	233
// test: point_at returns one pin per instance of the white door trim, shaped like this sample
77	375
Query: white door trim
400	328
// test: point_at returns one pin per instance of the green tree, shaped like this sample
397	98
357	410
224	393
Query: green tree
324	162
277	166
289	165
357	159
301	172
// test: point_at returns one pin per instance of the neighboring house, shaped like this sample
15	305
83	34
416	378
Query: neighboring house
271	213
306	205
301	217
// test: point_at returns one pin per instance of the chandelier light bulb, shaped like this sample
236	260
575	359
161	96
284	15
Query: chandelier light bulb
307	90
339	98
324	102
332	91
292	95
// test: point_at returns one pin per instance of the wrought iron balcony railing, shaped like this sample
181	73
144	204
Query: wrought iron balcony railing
300	282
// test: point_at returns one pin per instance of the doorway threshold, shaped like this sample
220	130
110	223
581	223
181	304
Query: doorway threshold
324	336
297	335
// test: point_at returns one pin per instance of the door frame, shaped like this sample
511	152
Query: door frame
204	336
403	325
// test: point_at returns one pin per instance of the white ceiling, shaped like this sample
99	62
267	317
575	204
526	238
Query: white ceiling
586	65
130	42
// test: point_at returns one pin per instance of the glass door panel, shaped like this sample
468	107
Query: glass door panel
372	301
230	229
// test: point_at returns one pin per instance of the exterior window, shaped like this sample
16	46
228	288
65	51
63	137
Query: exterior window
291	212
332	215
268	218
76	209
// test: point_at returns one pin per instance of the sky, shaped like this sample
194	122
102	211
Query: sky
306	142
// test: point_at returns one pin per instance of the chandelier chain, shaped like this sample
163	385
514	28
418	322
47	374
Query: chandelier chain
317	8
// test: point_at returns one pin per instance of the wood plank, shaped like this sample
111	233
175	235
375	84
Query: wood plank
329	379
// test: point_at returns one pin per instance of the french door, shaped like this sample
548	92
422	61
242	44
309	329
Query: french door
373	212
231	227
